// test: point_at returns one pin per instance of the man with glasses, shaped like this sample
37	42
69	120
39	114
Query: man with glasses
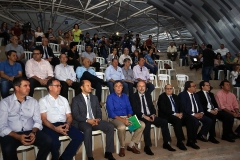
141	73
190	105
91	56
144	109
210	108
38	71
57	118
169	109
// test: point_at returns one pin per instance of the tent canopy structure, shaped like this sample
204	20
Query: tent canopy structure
181	21
104	17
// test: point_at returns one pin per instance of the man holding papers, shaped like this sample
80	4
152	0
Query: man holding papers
119	110
143	107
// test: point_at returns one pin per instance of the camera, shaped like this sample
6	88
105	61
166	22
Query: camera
26	27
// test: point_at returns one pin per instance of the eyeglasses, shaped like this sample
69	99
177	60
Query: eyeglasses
168	88
194	86
57	85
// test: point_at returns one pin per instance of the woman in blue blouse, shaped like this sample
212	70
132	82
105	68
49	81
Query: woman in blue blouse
150	63
4	32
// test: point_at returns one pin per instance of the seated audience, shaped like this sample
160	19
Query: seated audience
21	124
113	55
149	41
210	108
123	56
193	53
16	30
51	37
86	73
184	54
144	109
134	57
60	36
228	103
229	61
92	57
73	56
219	65
237	59
9	70
128	74
190	104
114	73
154	55
150	63
119	110
57	118
235	74
169	108
67	77
87	117
87	40
27	40
222	50
172	52
144	49
38	71
5	33
140	73
47	53
39	34
65	43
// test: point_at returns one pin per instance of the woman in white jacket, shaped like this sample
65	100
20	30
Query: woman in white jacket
234	74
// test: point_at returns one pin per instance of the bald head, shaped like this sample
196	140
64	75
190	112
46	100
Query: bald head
86	62
44	42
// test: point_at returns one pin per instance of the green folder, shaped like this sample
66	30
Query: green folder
135	124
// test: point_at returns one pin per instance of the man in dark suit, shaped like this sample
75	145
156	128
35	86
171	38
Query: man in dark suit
87	115
169	109
190	104
143	107
47	52
210	108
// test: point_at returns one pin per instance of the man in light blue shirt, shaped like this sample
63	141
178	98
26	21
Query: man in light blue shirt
193	53
113	73
20	122
86	73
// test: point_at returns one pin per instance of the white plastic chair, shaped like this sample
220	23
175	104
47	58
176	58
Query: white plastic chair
80	49
50	45
101	60
38	43
181	79
41	89
28	55
153	79
164	79
94	133
55	48
170	63
101	75
73	92
161	66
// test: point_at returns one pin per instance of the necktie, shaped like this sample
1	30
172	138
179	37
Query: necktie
89	108
45	51
144	105
194	104
141	69
176	111
209	100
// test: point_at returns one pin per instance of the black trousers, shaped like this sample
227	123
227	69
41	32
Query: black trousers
9	145
33	84
159	122
96	65
95	82
65	86
177	126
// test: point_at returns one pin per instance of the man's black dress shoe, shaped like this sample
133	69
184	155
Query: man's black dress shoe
201	138
181	146
193	145
148	151
168	147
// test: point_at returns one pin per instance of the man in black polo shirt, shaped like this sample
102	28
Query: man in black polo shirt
208	62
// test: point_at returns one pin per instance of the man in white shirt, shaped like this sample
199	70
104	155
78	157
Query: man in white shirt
223	51
38	71
172	52
67	77
123	56
57	118
141	73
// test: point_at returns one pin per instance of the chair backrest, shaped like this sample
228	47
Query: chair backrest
153	79
28	55
160	64
181	79
38	43
100	75
164	79
57	55
170	63
55	48
50	45
100	60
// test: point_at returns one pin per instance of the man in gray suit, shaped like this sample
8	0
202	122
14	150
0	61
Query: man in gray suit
87	115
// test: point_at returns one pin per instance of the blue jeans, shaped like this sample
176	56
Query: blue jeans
70	151
5	86
110	86
206	72
184	58
153	69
